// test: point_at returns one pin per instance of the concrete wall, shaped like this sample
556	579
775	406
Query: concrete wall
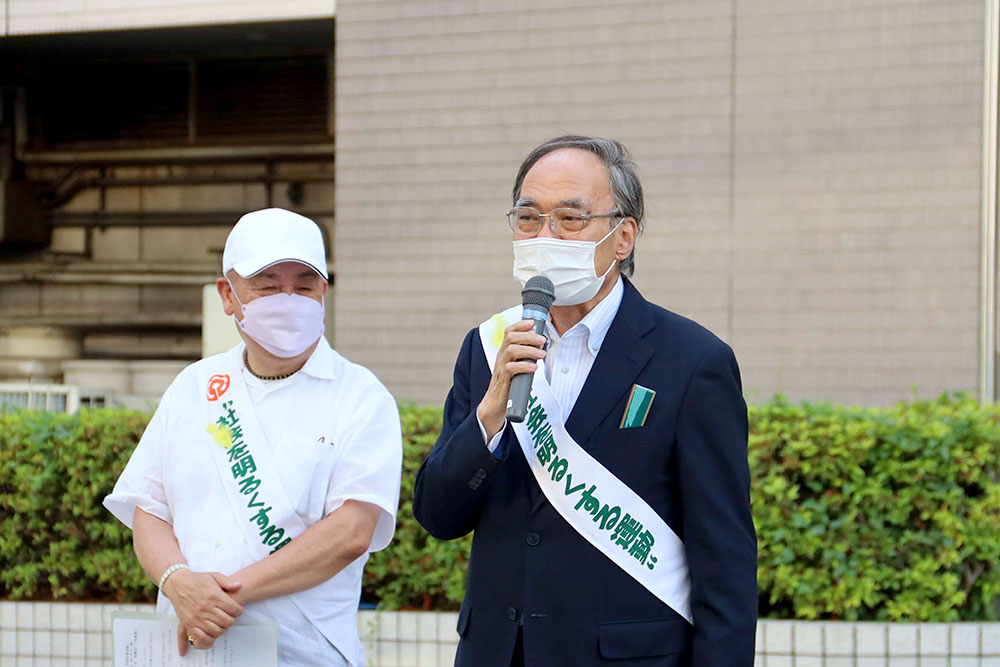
192	255
812	174
28	17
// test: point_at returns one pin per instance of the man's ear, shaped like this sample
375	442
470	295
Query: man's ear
626	240
226	293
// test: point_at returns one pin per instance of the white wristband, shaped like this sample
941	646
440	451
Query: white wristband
169	571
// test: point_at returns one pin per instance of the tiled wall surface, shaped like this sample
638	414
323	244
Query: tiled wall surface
32	17
43	634
811	171
820	644
408	639
53	633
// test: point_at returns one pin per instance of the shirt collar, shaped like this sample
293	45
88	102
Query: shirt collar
597	322
320	363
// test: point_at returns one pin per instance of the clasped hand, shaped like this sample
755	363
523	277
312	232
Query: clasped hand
204	604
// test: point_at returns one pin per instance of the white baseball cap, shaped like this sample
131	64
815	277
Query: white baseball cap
272	235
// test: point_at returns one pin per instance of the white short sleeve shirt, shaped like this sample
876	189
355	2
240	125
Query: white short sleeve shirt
334	435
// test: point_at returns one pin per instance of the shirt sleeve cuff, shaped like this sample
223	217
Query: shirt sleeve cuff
491	445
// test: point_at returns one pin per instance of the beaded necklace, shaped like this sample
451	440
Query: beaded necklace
265	378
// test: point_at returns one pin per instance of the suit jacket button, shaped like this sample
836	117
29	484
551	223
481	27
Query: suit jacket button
477	479
512	613
533	539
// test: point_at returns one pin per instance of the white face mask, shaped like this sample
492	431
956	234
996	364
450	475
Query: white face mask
568	264
283	324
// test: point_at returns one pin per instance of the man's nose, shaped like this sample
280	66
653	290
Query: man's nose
546	230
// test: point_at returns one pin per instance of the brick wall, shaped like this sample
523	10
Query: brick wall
812	176
438	102
856	207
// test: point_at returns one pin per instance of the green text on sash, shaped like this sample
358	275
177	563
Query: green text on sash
242	470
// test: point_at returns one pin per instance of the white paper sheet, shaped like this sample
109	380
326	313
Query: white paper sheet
150	640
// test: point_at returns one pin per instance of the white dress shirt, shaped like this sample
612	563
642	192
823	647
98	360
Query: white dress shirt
570	357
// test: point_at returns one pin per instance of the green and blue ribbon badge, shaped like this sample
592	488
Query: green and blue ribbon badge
637	408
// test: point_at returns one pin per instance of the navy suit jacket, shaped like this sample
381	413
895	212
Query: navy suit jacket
529	568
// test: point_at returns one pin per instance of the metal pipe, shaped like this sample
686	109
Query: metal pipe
63	193
203	180
158	156
988	237
177	268
95	278
157	320
156	219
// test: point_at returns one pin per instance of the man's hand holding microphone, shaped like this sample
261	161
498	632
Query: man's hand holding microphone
523	345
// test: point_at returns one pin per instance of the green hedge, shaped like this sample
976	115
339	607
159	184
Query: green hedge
877	514
890	513
417	571
56	540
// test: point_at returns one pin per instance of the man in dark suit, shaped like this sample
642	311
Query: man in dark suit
626	395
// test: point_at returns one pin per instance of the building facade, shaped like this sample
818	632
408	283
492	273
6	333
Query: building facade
135	135
812	171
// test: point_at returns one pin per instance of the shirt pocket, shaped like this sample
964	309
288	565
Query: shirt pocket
304	466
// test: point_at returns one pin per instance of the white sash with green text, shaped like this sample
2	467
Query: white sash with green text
256	495
598	505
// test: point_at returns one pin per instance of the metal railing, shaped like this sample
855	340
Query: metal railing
53	397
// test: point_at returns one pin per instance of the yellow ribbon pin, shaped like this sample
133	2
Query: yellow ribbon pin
499	327
222	435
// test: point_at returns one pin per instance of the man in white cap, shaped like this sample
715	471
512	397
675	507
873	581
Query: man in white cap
269	472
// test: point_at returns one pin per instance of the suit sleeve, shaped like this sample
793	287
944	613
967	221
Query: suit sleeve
719	537
453	481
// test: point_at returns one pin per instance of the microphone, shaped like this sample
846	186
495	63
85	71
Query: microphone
536	299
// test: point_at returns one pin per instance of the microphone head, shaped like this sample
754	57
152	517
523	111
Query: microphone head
538	292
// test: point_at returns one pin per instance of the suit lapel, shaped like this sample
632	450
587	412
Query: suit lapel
622	357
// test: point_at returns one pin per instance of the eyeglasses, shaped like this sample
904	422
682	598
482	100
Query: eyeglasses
527	221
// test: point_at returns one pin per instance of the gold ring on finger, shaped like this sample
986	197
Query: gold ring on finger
192	641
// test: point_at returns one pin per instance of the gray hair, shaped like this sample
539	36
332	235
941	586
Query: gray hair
622	178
